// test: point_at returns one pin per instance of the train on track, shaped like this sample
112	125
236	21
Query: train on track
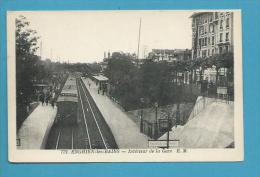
67	103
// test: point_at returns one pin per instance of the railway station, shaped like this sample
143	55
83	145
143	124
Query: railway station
79	121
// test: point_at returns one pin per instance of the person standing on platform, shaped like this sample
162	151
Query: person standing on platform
42	98
52	102
47	97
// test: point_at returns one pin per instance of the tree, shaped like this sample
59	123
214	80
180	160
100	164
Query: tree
26	38
26	62
124	80
156	82
225	60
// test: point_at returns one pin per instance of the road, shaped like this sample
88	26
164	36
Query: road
90	132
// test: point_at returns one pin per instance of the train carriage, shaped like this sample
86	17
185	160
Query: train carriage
67	103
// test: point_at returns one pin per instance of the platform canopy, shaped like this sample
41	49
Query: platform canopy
100	78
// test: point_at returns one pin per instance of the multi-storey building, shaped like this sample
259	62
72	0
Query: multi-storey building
212	33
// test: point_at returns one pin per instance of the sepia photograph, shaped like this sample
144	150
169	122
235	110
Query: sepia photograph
125	86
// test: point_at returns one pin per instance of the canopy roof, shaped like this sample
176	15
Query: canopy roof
101	78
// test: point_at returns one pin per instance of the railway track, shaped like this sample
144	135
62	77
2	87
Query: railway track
97	128
91	130
65	138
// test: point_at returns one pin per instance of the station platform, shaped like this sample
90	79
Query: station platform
126	132
35	129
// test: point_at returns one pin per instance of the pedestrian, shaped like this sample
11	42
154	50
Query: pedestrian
47	99
42	98
52	103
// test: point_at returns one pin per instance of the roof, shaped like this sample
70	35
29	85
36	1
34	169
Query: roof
199	13
177	51
70	86
101	78
163	50
71	81
67	98
69	89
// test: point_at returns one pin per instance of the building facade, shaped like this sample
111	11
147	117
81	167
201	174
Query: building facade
170	55
212	33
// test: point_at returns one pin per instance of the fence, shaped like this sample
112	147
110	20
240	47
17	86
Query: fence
170	113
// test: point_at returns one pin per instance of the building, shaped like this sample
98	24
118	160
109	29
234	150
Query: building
103	65
212	33
170	55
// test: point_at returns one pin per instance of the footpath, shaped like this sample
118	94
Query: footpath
35	129
126	132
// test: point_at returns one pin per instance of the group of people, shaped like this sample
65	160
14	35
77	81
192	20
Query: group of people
47	98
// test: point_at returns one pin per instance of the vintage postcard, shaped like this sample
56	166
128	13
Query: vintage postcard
125	86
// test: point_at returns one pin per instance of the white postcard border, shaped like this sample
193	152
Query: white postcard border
123	155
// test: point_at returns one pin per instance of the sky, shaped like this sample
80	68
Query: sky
84	36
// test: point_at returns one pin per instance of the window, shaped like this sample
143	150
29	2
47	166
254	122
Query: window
227	36
221	37
208	52
212	30
205	42
227	23
212	40
204	53
221	24
201	30
210	18
205	29
209	41
220	50
212	52
216	15
226	48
